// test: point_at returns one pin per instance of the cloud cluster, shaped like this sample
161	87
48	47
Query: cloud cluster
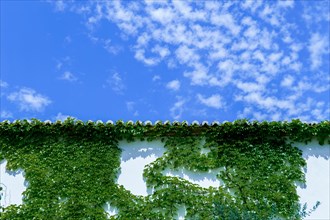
318	47
173	85
68	76
3	84
178	108
214	101
61	117
251	52
115	82
29	100
6	114
130	105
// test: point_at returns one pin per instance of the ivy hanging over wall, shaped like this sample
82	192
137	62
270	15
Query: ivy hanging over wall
71	169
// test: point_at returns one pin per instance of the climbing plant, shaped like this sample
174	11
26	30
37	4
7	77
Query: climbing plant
71	168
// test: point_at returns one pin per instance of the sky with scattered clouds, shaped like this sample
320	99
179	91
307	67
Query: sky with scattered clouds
160	60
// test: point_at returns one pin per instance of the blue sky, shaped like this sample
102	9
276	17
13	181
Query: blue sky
179	60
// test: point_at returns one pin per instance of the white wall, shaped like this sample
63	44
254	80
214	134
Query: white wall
12	184
137	154
317	175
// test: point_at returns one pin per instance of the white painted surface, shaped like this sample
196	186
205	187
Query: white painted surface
204	179
317	175
12	184
137	154
134	157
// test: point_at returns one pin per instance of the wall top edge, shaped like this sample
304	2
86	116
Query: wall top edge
158	122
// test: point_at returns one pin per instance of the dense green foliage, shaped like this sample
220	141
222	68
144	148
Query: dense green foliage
71	169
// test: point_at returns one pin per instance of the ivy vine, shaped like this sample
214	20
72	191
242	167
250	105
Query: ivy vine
71	169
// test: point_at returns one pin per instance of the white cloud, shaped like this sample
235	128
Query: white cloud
227	20
250	113
227	68
276	116
318	46
186	55
287	81
286	3
116	83
131	108
250	86
3	84
296	66
187	12
271	68
295	47
319	113
68	76
259	116
198	76
274	57
218	52
110	47
267	41
162	51
136	113
83	9
315	14
59	65
162	15
265	102
258	55
251	32
271	15
245	113
68	39
60	5
263	107
243	44
177	109
143	40
130	105
61	117
29	100
63	62
212	5
252	5
214	101
156	77
139	55
106	43
6	114
286	60
173	85
262	79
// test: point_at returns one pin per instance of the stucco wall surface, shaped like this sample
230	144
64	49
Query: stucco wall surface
136	155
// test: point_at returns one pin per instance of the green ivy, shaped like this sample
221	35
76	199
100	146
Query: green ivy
71	169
